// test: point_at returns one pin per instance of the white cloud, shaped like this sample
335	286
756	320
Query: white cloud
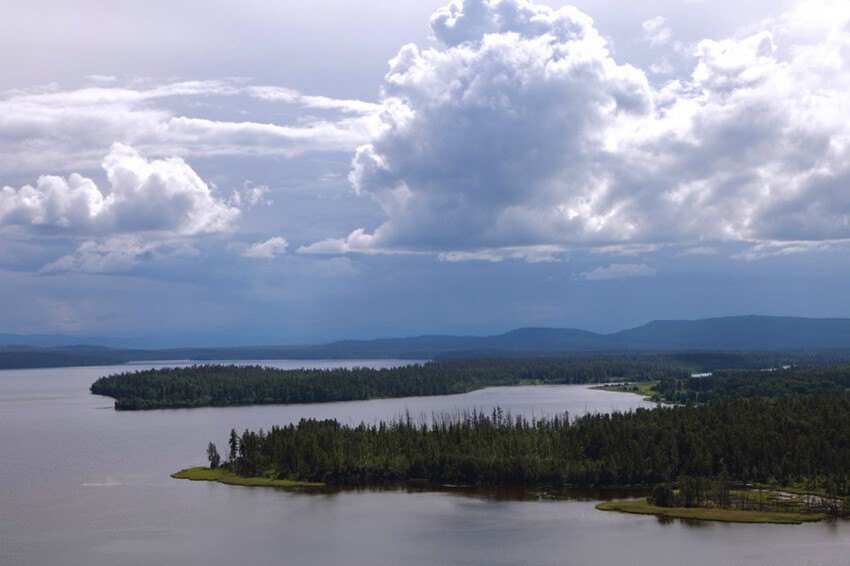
769	249
63	129
530	254
101	79
291	96
617	271
662	67
201	136
250	196
521	130
164	196
357	242
494	141
270	249
656	31
625	250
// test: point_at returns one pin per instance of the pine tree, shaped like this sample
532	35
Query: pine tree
233	445
213	456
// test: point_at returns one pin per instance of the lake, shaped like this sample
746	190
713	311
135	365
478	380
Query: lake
82	484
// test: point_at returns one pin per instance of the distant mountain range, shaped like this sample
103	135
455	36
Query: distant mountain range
728	333
763	333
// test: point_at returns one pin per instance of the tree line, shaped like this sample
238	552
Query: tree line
803	440
222	385
778	382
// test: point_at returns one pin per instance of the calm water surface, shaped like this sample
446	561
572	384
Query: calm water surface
81	484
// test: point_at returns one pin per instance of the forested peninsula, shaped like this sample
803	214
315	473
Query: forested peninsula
788	429
692	455
220	385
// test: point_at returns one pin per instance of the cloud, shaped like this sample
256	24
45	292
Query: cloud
357	242
517	136
656	31
617	271
520	130
101	79
764	250
269	249
115	255
662	67
250	196
164	196
493	141
530	254
292	96
65	129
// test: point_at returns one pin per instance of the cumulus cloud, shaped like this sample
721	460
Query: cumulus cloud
521	130
493	140
269	249
617	271
163	196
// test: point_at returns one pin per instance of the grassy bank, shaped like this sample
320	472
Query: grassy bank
224	476
642	388
642	507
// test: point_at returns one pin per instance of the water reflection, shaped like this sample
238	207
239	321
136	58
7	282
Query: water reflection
490	493
695	523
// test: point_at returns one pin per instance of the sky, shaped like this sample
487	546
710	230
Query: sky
219	173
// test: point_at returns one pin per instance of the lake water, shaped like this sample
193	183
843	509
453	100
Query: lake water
81	484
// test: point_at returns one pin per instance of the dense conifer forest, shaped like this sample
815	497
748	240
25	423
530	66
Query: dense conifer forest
800	440
217	385
787	427
778	382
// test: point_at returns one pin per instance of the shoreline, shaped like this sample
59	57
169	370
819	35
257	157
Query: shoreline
633	506
221	475
642	388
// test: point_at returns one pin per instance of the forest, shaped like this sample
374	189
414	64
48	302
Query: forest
219	385
785	427
777	382
788	441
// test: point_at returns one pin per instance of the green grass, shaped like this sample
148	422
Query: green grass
224	476
642	388
642	507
